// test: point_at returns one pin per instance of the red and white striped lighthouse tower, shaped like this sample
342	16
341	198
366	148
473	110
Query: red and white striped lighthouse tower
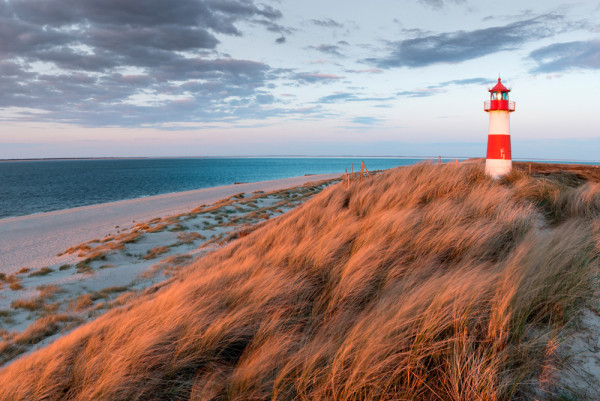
498	161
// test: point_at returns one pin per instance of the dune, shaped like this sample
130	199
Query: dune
423	283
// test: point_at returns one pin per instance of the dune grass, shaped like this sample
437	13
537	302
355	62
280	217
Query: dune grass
424	283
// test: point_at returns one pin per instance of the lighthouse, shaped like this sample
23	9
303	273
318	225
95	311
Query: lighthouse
498	161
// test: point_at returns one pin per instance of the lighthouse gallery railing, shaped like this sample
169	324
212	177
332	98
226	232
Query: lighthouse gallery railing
499	105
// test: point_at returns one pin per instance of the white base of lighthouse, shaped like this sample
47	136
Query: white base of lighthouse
496	168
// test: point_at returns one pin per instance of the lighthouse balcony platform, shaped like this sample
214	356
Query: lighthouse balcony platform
499	105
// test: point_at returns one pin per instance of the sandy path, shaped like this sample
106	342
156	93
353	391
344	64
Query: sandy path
33	241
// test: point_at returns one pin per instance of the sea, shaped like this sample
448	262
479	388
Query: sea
38	186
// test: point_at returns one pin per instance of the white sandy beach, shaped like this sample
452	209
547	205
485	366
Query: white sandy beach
34	241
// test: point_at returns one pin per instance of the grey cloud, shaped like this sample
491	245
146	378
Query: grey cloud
419	93
366	71
430	90
280	40
567	56
170	38
336	98
274	27
67	58
349	97
327	23
265	98
246	8
91	43
467	81
17	37
440	3
366	120
460	46
307	77
435	89
231	71
328	49
217	15
528	13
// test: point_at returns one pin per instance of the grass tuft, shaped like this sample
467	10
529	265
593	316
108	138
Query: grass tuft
155	252
44	271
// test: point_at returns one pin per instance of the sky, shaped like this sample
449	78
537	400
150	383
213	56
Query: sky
130	78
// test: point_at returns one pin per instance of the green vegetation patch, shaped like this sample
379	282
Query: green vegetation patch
44	271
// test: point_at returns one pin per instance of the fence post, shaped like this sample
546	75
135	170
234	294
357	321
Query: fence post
439	160
365	166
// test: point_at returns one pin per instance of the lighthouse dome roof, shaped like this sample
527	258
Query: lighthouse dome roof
499	87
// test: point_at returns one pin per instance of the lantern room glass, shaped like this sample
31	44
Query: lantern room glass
499	96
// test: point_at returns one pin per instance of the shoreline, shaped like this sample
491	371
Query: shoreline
34	240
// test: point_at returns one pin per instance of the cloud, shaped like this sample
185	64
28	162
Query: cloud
311	78
567	56
327	23
333	50
435	89
280	40
455	47
336	97
273	26
467	81
366	120
431	90
349	97
419	92
440	3
265	98
73	59
366	71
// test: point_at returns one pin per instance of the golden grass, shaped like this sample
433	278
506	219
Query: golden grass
155	252
42	328
48	290
424	283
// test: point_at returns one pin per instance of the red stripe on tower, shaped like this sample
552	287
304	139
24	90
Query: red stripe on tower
498	161
498	147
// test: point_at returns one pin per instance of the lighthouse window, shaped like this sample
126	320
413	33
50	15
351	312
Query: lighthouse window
505	95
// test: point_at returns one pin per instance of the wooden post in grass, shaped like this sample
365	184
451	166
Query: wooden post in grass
439	160
346	177
457	162
362	165
529	168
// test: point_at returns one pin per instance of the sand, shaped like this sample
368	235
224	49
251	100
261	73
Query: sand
34	241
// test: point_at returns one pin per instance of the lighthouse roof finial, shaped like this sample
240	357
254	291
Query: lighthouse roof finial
499	87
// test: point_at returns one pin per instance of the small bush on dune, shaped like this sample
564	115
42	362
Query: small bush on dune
422	283
155	252
44	271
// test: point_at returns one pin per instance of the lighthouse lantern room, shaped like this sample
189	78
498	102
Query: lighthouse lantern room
498	161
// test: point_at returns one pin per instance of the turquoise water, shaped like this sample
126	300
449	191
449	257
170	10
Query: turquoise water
41	186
